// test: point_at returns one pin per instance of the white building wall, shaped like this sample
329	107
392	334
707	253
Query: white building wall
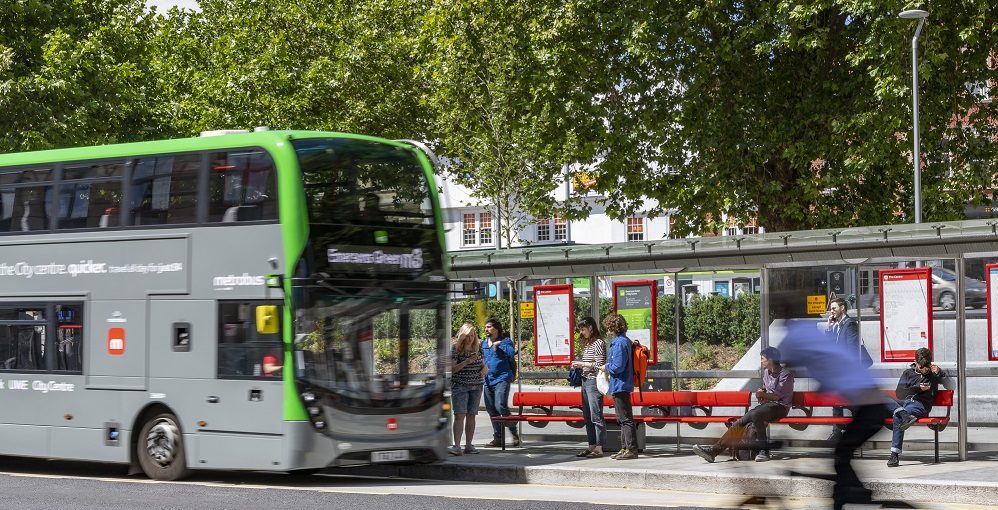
598	228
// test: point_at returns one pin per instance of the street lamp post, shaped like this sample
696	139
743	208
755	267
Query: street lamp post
920	16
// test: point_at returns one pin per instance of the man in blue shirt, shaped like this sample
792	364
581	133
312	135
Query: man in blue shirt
499	360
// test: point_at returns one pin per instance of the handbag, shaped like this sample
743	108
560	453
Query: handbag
603	381
575	377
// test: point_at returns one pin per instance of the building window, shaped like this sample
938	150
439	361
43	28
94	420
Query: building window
560	229
485	228
477	229
635	229
543	229
470	232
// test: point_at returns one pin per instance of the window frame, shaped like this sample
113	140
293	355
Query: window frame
51	324
477	232
251	320
639	223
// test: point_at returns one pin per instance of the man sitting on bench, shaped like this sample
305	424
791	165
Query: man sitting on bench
775	398
915	394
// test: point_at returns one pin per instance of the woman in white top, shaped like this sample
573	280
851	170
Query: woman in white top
593	356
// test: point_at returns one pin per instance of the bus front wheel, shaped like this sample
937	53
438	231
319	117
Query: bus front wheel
160	448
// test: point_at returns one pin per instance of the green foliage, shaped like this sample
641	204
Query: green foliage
723	321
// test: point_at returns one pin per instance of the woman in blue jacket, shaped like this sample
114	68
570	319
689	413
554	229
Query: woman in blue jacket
499	360
621	369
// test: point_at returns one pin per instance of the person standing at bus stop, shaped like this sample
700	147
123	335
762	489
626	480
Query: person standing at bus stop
593	357
499	360
467	375
620	366
843	330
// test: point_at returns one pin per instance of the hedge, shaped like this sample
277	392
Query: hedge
708	319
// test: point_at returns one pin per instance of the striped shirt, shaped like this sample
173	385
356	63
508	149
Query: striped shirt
593	352
471	374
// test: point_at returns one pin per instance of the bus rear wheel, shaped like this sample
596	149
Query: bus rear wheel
160	448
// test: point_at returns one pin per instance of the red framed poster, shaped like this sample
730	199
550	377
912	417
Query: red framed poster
991	270
905	312
554	331
637	302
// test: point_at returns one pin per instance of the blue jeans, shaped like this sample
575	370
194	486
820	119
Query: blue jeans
913	407
592	411
497	404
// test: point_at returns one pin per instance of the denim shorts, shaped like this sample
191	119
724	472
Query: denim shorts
466	398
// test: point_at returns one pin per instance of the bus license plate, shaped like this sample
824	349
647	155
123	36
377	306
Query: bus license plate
390	456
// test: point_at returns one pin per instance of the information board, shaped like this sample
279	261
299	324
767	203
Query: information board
905	312
992	276
636	302
553	329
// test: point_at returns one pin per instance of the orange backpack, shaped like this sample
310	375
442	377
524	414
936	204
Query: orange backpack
639	358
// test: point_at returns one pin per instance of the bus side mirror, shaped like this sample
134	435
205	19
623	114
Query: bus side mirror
266	319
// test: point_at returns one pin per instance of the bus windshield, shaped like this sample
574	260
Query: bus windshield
370	213
349	182
372	348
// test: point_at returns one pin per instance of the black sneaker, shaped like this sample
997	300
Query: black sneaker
515	442
908	421
707	452
893	461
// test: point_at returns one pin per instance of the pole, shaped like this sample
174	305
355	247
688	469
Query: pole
961	358
914	95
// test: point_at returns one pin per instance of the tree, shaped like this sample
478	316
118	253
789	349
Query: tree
512	88
73	73
795	113
312	64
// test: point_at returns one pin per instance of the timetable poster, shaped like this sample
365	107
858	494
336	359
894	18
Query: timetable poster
905	312
635	302
992	275
553	332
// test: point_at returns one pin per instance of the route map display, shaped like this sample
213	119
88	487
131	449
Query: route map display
905	312
554	337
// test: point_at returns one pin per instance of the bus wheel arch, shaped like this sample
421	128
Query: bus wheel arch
157	444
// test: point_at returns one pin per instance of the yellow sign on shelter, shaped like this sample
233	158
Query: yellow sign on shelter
817	304
527	310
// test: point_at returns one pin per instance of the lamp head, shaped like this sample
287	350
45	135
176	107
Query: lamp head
913	14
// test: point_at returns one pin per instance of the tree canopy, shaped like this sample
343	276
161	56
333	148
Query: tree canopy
795	113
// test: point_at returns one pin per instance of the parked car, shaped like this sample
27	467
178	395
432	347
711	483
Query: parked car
944	290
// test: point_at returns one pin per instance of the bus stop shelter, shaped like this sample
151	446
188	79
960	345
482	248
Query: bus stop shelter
791	269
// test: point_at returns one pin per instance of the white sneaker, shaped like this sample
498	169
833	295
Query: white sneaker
455	450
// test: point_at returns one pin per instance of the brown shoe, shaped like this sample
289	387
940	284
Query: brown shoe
626	455
493	444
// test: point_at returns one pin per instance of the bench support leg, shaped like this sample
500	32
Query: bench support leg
937	445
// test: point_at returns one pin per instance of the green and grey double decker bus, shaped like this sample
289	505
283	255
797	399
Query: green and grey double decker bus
271	300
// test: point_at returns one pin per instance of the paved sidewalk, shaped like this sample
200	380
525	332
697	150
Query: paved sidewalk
661	467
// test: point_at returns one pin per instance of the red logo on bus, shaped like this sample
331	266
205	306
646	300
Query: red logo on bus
116	341
392	424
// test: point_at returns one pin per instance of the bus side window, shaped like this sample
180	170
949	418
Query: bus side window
89	195
244	352
241	186
22	344
30	207
164	190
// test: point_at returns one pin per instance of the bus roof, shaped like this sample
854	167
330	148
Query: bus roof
257	138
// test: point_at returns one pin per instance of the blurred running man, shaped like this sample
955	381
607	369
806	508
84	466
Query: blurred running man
838	371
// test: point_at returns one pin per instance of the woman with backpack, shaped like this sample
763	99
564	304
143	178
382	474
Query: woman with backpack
593	357
620	366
